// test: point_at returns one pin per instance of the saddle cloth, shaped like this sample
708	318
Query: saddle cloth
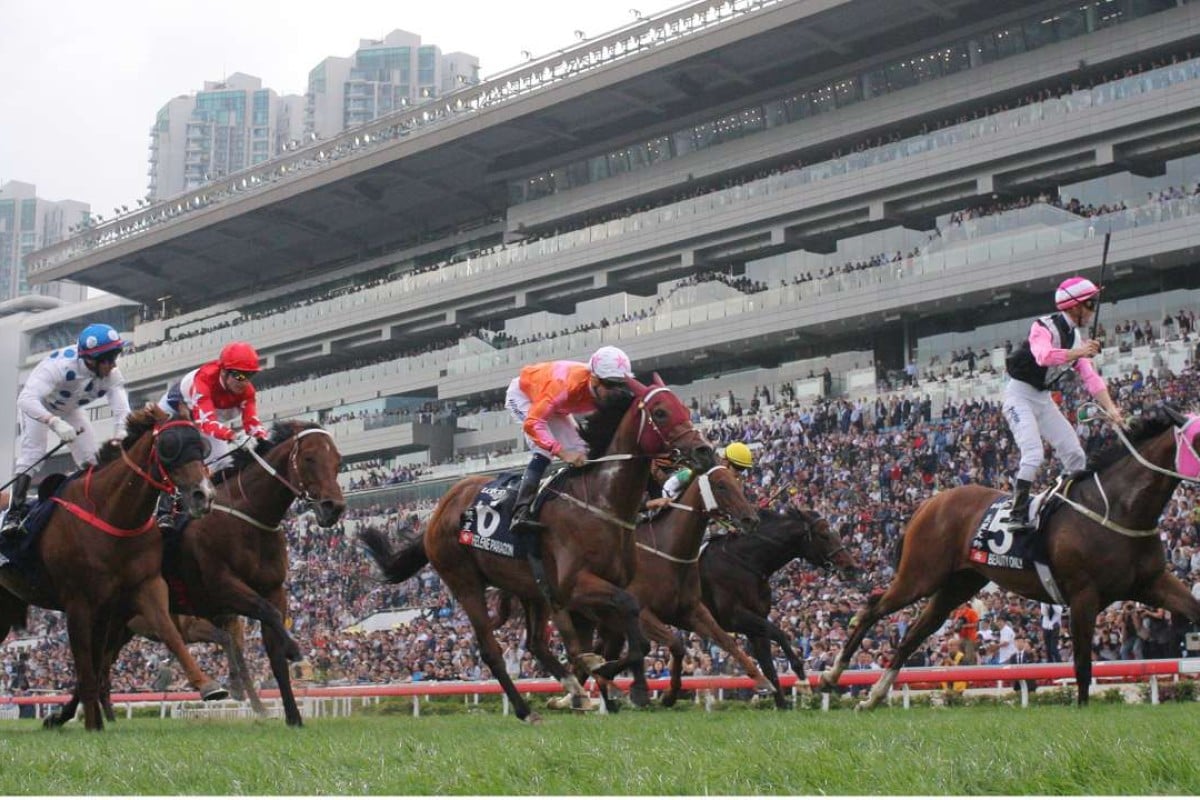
994	546
21	552
485	523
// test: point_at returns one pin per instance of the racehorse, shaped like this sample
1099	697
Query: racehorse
588	546
234	561
101	553
666	582
735	573
1101	539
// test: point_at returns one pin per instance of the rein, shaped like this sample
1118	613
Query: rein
293	467
710	508
1181	442
90	516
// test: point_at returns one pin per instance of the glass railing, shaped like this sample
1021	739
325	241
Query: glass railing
708	203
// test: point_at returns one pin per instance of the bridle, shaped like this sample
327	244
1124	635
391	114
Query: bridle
711	509
298	489
1186	458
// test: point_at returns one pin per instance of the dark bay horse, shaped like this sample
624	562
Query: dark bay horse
588	545
234	561
666	582
735	572
101	553
1102	542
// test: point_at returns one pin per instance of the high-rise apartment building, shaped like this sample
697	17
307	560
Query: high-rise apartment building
28	223
227	126
383	75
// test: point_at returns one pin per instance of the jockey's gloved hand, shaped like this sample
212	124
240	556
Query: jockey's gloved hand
63	430
241	439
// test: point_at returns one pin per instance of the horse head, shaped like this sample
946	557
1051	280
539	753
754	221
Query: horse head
816	541
1149	444
664	425
179	450
720	493
310	462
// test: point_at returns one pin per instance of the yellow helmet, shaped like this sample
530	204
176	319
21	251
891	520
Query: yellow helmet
739	455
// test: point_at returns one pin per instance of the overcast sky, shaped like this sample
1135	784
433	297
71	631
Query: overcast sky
83	79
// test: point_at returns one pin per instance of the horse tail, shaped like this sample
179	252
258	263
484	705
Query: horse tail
898	551
505	605
397	565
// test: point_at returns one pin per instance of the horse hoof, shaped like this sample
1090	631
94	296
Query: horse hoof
534	718
52	722
863	705
764	687
583	703
592	661
638	696
668	700
213	691
559	703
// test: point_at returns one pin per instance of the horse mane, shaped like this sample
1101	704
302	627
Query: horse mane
1148	425
137	424
773	543
281	431
598	429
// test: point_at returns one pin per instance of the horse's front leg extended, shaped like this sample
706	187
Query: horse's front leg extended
151	601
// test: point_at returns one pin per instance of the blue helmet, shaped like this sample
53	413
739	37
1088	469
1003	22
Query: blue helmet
98	339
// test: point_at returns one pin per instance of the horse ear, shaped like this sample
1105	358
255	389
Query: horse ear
657	381
636	386
1177	418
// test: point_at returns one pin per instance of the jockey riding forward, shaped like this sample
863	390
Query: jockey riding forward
53	399
543	398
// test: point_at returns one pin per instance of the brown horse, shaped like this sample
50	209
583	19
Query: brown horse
1101	539
588	543
735	573
101	553
234	561
667	580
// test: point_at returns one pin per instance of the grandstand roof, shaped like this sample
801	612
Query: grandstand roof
375	200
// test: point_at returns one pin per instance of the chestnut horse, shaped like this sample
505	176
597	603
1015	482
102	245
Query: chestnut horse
234	561
735	572
588	543
1102	541
101	553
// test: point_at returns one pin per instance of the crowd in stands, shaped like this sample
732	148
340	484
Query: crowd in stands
864	465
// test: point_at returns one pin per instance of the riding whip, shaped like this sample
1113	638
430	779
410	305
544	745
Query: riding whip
25	471
1103	264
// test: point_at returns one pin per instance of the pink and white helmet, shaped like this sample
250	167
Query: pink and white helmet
610	363
1074	291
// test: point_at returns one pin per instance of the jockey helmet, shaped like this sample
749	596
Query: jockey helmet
240	356
738	454
610	363
98	339
1074	291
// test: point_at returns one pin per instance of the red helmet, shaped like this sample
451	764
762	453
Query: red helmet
240	356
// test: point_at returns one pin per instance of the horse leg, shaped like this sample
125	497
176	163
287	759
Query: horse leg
1168	592
536	617
1085	605
238	598
152	601
899	594
761	647
473	604
677	652
235	629
700	620
615	609
761	632
81	629
960	587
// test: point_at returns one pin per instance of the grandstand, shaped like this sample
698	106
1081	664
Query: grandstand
740	194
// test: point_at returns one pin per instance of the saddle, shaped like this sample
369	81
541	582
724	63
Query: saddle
993	545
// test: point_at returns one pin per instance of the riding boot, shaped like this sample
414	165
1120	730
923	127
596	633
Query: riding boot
1018	514
528	531
166	511
17	506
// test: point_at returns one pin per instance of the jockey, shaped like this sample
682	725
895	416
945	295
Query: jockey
543	398
737	457
1056	344
216	394
54	397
